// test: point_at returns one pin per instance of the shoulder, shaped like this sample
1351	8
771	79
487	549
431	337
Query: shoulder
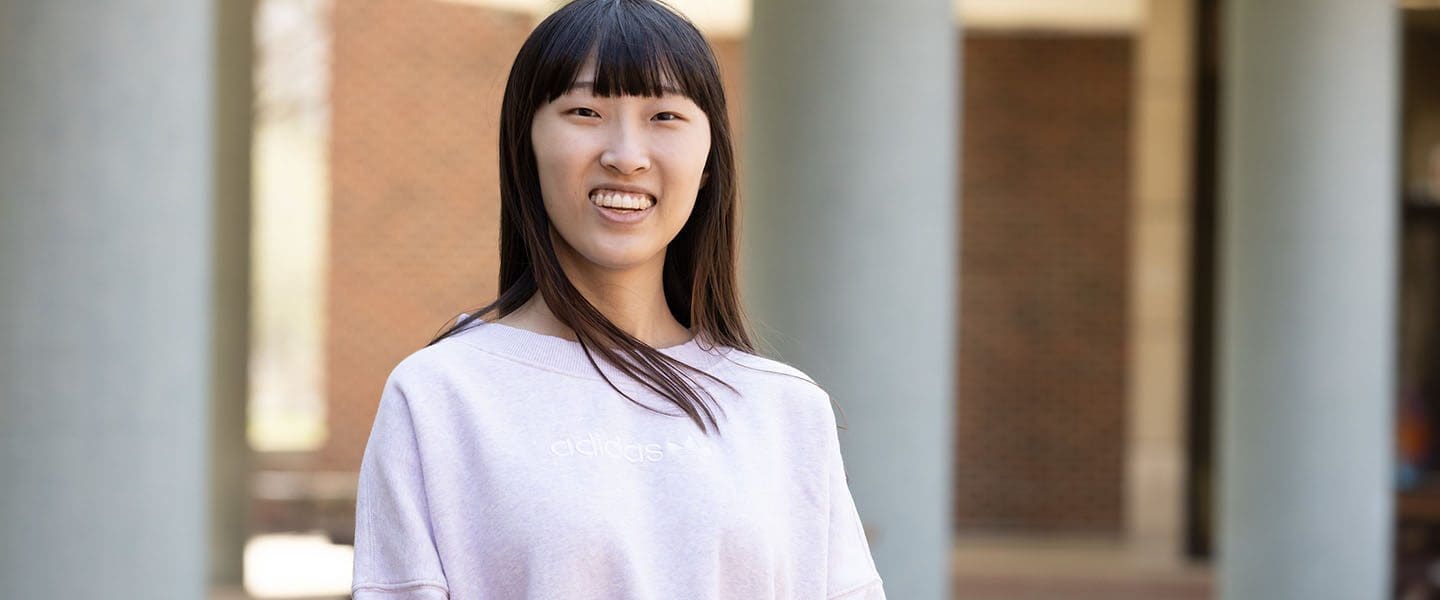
752	362
437	365
777	378
424	362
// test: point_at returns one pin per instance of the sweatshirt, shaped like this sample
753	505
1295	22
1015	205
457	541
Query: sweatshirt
501	466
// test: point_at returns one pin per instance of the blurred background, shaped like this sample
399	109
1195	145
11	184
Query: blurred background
1155	283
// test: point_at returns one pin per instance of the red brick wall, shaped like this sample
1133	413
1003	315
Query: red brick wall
1040	420
415	95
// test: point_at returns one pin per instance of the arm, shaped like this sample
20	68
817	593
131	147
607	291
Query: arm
395	554
851	569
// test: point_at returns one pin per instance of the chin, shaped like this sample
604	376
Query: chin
617	259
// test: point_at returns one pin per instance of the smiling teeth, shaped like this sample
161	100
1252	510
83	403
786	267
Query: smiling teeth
611	199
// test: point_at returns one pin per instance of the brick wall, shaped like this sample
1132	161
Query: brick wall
1040	420
416	89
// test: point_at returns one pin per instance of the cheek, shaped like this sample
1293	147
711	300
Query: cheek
687	156
560	159
551	152
685	172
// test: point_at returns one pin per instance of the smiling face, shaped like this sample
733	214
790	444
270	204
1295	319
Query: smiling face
655	146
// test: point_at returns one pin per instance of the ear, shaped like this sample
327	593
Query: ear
704	177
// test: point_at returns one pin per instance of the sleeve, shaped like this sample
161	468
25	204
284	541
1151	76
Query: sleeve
395	554
850	567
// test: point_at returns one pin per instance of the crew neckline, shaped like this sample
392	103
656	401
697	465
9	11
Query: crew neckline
568	356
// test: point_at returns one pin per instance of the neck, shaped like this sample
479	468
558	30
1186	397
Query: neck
632	298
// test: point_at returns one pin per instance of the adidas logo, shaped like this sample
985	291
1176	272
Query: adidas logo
614	447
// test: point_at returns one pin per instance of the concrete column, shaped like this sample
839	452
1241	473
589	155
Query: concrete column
850	248
123	275
1307	299
1159	284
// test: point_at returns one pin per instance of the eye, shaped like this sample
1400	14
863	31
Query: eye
676	116
577	110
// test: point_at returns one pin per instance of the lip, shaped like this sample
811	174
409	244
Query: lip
620	187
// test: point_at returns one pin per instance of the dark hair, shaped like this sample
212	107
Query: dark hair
639	46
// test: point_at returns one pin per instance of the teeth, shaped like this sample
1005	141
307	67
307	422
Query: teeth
613	199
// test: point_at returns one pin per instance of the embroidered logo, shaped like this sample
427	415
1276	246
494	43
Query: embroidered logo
614	447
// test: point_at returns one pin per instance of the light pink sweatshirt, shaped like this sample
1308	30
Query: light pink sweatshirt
501	466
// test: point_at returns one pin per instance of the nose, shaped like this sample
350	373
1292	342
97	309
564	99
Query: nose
625	152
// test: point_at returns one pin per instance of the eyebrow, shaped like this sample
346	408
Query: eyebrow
591	84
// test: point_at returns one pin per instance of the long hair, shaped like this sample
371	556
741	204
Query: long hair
639	45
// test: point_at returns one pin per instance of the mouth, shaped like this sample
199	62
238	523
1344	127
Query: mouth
620	207
621	200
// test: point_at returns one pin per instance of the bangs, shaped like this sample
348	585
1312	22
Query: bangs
640	49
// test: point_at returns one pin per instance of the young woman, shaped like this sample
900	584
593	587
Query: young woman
506	461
